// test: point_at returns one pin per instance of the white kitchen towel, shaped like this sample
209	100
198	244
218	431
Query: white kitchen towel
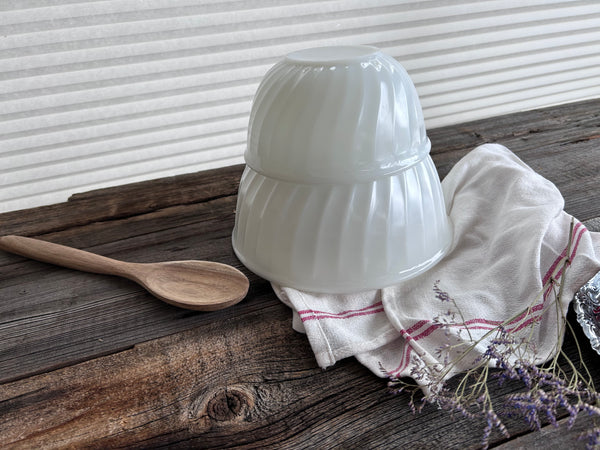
510	242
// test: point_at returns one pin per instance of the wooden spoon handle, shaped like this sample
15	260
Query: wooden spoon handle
61	255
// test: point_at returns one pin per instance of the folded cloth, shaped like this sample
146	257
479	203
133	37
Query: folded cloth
510	242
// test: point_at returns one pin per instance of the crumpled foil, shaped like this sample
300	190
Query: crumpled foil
587	307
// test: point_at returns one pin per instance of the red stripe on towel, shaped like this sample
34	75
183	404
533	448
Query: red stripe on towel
485	324
312	314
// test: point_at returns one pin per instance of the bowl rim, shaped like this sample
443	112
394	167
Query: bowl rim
332	55
362	175
347	286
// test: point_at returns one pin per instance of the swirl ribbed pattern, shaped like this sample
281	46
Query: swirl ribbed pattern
341	238
339	194
351	119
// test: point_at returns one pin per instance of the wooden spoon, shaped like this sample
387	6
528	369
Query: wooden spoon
198	285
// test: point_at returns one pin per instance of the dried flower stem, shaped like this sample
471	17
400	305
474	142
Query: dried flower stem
510	348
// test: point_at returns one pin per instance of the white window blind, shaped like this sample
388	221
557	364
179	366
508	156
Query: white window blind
101	93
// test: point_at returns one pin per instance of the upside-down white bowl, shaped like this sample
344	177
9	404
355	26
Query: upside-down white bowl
339	193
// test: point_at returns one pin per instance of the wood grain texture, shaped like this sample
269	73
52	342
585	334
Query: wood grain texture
553	437
124	201
94	361
57	316
248	381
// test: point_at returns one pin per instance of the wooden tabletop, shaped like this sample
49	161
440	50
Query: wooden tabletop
94	361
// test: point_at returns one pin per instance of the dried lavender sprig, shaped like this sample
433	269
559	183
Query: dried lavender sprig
549	388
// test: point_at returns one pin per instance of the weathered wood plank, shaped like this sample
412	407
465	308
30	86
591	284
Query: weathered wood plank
553	437
57	316
565	124
246	381
123	201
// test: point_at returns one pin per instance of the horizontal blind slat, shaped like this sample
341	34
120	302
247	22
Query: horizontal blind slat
221	40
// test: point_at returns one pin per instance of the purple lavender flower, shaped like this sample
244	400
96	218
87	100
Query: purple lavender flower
593	438
549	392
441	295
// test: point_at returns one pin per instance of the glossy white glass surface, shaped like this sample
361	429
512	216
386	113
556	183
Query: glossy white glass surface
335	114
339	194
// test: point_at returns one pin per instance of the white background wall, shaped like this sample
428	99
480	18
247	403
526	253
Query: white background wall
100	93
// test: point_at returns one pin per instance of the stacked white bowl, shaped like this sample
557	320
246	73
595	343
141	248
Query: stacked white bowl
339	194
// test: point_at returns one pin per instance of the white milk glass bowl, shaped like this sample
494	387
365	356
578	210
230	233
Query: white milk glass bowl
339	193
